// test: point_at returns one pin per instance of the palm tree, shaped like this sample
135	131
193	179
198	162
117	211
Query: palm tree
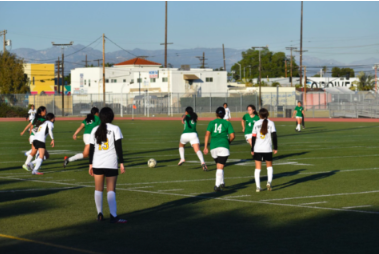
365	82
324	69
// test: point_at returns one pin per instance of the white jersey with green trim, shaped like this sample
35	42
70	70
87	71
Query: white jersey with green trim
43	130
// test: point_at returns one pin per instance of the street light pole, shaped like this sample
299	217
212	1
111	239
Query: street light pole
260	67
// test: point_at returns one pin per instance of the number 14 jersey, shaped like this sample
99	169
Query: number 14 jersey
219	129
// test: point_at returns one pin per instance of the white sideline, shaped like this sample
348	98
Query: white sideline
314	203
359	206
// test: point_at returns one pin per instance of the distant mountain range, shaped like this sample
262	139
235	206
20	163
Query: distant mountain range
75	57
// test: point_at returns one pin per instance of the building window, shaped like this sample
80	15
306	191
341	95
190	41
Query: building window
124	80
139	80
89	82
164	79
106	80
84	82
152	80
208	79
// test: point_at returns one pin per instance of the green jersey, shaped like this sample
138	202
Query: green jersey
42	119
250	121
189	125
89	126
299	111
219	129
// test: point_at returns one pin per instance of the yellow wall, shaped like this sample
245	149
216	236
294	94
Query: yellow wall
43	75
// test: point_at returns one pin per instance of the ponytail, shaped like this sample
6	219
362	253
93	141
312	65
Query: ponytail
90	118
36	120
106	116
253	108
192	114
263	114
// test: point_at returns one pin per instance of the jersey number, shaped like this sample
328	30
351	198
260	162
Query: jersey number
104	146
39	129
249	124
218	128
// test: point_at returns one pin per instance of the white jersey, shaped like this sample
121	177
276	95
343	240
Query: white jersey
105	156
43	130
263	143
227	114
32	113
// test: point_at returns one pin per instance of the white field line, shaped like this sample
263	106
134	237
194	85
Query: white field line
210	198
40	189
240	196
314	203
359	206
170	190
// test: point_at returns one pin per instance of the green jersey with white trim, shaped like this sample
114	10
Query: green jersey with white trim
250	121
219	129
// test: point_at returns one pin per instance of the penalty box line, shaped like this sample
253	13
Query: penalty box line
211	198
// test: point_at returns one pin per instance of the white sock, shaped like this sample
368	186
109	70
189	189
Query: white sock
257	175
201	157
219	177
222	177
270	172
37	154
38	164
76	157
298	127
28	159
28	152
181	153
99	201
112	203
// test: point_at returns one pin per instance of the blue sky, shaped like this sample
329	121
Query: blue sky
344	31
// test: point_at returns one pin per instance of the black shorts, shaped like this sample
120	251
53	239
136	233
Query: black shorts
262	156
105	171
38	144
221	160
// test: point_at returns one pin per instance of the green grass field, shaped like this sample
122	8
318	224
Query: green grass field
325	196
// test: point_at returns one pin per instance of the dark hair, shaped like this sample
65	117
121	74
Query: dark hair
225	104
253	108
263	113
94	110
106	116
192	114
36	121
220	112
90	117
300	102
50	116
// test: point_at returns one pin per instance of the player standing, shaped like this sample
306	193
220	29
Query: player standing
248	121
105	151
264	136
190	136
218	130
299	113
227	116
31	113
88	124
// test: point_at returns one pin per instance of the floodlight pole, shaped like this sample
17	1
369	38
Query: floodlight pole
260	68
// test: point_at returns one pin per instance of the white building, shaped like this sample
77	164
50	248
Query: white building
140	75
312	82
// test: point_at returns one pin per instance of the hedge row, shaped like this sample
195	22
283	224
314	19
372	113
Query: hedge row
9	111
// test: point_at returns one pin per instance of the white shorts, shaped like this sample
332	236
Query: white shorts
192	138
86	139
299	117
219	151
31	138
248	136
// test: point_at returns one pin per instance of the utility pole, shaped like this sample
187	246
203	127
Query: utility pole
58	67
260	74
3	33
223	52
103	70
301	44
165	38
291	48
305	88
98	62
202	60
285	67
86	61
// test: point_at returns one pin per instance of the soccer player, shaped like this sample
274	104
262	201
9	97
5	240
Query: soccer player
31	113
299	113
227	116
248	121
43	129
190	135
218	130
88	124
264	136
105	150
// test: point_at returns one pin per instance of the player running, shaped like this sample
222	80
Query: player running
248	121
31	113
264	135
299	112
190	136
88	124
218	130
227	116
43	129
105	150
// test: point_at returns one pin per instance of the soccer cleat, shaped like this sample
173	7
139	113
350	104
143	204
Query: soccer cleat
205	168
269	188
65	161
35	172
258	190
222	186
26	167
217	189
100	217
181	162
31	166
117	220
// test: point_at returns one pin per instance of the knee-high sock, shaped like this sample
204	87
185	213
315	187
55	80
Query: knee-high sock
201	157
222	177
219	177
28	159
270	173
28	152
38	164
257	175
99	201
181	153
76	157
112	203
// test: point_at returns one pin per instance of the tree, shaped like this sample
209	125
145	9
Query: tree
342	72
12	76
324	70
365	82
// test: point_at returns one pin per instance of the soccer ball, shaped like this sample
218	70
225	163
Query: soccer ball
151	163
